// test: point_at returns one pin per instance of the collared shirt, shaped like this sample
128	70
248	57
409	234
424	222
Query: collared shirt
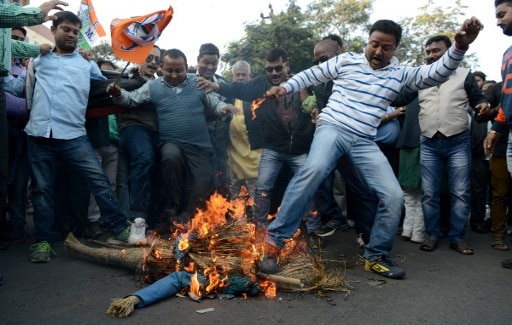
60	95
13	14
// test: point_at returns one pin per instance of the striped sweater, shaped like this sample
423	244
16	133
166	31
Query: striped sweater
361	95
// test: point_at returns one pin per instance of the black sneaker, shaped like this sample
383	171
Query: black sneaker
330	227
385	267
315	241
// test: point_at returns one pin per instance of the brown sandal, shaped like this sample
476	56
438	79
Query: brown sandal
499	243
429	245
462	247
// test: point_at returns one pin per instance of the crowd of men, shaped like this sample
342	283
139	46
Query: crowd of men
409	148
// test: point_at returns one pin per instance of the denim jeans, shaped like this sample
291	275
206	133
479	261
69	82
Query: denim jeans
18	178
139	144
270	163
454	155
330	143
108	157
43	154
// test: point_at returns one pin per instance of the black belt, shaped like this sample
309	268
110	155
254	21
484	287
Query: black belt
439	135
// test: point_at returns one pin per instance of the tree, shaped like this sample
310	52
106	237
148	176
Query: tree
433	20
350	19
289	30
104	51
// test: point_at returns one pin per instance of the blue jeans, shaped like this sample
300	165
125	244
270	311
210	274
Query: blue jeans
139	144
18	178
509	153
330	143
454	154
43	154
270	163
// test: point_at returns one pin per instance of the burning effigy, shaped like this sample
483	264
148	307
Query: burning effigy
216	253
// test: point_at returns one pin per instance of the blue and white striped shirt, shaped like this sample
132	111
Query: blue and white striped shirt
361	95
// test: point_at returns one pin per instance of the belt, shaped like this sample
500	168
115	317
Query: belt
439	135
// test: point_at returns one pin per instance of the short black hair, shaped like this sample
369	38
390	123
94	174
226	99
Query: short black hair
63	16
480	74
21	29
275	53
388	27
498	2
208	49
175	54
439	38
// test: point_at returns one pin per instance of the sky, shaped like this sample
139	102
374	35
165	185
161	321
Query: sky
222	21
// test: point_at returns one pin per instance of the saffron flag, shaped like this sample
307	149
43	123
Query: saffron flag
134	38
91	28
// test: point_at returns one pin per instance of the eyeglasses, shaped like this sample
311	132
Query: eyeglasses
321	59
152	57
277	68
18	38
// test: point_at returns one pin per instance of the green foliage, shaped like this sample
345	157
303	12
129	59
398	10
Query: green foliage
433	20
289	30
350	19
104	51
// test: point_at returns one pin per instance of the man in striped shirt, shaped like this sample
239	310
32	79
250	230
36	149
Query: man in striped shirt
364	86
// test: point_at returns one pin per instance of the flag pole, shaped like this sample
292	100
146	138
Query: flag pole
121	74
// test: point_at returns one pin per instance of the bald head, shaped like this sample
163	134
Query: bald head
325	49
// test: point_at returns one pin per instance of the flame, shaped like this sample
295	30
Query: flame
269	287
255	105
195	286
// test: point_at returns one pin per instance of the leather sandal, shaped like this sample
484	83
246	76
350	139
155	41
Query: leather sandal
429	245
462	247
499	243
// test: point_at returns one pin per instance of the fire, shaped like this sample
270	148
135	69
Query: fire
255	105
195	287
269	287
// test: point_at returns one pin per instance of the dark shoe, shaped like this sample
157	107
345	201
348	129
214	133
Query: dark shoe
430	244
269	262
315	241
507	263
462	247
19	238
385	267
90	231
41	252
330	227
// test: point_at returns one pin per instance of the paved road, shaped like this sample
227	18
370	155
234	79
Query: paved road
442	287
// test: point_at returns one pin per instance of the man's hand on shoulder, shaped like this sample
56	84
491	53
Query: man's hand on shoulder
45	48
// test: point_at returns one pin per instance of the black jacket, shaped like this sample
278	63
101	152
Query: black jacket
296	139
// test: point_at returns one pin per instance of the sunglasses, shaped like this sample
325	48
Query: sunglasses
150	58
277	68
17	38
321	59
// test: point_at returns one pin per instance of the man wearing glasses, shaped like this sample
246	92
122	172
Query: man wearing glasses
287	129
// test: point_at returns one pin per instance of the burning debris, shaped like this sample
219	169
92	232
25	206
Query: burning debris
216	253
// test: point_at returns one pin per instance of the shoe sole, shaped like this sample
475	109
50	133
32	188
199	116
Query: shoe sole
326	234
